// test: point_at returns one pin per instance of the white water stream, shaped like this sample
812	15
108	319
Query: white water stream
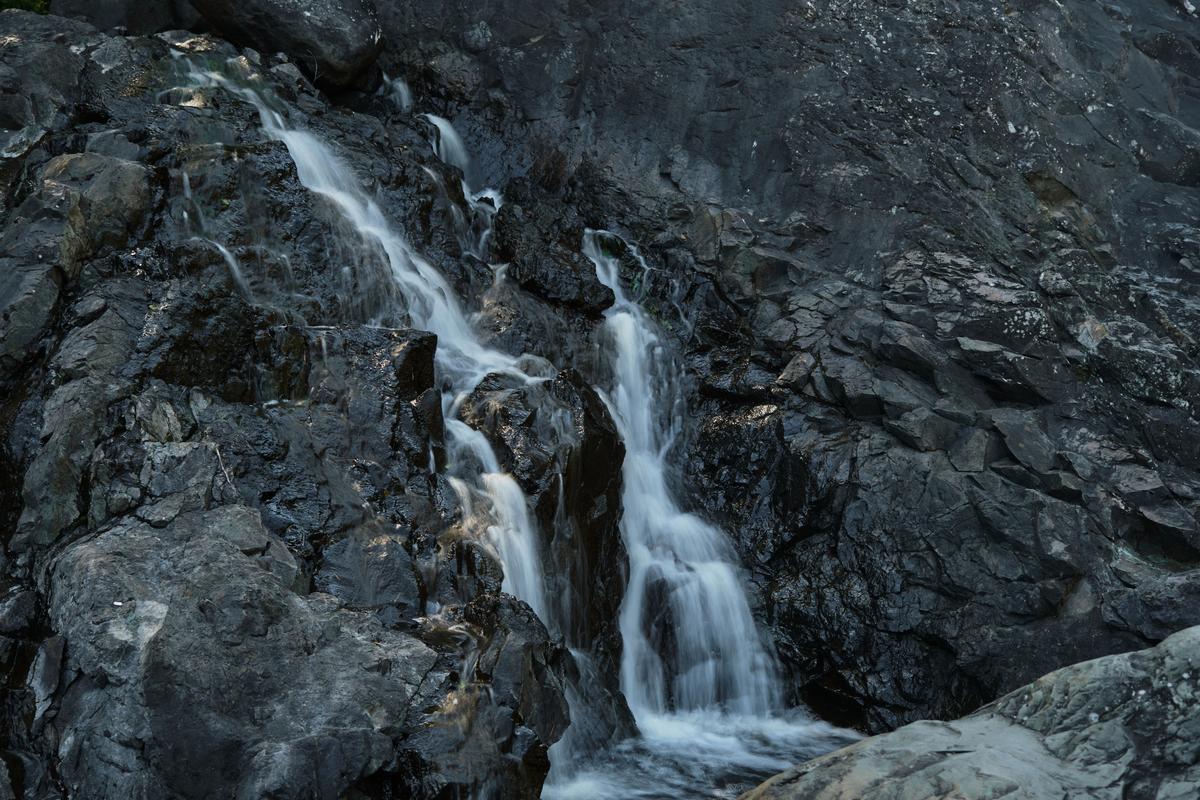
718	660
708	708
432	306
702	686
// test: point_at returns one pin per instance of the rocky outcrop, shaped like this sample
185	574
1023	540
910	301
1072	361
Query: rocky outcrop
539	240
933	272
334	41
180	666
573	488
1116	727
226	527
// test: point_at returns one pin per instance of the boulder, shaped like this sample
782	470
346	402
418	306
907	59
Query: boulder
1116	727
333	40
539	239
192	664
135	16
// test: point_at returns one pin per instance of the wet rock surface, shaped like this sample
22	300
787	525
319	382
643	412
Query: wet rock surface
225	519
934	272
134	16
1118	726
931	268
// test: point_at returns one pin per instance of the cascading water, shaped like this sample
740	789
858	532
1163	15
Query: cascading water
431	305
449	145
231	261
718	660
396	90
473	231
704	708
510	529
700	682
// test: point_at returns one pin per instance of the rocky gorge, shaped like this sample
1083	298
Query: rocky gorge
511	399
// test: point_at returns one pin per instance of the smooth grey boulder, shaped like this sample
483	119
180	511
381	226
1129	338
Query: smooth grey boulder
1116	727
334	40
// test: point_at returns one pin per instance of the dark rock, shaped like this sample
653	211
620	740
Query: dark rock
543	255
561	443
187	457
924	429
1024	440
17	611
134	16
504	708
1158	606
377	574
934	368
194	632
333	40
939	325
42	85
795	374
84	202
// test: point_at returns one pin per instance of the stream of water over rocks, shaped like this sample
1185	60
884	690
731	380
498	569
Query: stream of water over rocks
701	683
511	400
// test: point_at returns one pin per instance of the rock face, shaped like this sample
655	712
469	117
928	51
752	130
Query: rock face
135	16
933	268
1116	727
332	40
226	525
183	641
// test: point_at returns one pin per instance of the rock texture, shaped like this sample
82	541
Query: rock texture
225	524
933	267
333	40
135	16
1116	727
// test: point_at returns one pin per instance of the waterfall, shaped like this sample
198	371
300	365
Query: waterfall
431	305
235	269
511	531
473	232
696	675
449	145
701	684
231	261
396	90
717	659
